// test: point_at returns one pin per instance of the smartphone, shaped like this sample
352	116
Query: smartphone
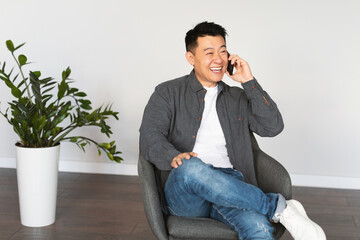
230	67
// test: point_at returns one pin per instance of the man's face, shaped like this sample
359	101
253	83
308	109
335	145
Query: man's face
209	60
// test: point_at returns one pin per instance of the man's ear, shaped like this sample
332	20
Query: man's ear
190	57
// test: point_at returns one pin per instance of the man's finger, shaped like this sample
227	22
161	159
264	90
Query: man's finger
176	162
187	156
179	161
193	154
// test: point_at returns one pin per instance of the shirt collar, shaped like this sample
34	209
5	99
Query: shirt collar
196	85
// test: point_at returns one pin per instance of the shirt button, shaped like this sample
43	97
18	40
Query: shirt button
194	136
204	90
202	100
199	118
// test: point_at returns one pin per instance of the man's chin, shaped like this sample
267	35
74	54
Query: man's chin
217	79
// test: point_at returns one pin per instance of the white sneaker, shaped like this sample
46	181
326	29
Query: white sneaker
299	225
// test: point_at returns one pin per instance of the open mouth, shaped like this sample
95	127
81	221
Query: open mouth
216	70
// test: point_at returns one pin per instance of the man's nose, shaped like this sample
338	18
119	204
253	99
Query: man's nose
217	58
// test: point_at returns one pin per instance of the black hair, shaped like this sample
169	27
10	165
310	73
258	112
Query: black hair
201	30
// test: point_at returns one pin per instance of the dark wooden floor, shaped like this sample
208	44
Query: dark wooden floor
108	207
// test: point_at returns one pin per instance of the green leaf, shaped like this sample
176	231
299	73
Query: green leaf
83	145
72	90
112	150
118	159
35	121
37	73
105	145
42	121
80	94
35	86
62	89
74	139
22	59
19	46
61	118
47	134
3	67
66	73
14	79
86	107
14	90
110	156
86	102
49	84
51	114
10	46
56	130
47	90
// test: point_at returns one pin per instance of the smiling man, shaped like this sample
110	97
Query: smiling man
200	127
210	60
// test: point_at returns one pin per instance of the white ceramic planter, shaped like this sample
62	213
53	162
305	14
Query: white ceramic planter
37	175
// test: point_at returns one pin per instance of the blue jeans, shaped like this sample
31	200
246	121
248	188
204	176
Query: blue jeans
196	189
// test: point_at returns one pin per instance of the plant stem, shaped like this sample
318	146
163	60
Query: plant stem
22	74
58	139
82	138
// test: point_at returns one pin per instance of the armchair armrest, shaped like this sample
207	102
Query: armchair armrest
151	198
271	175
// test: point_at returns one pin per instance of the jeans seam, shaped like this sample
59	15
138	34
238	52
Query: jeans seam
236	229
172	211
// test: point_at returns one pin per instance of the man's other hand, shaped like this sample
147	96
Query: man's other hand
177	161
243	72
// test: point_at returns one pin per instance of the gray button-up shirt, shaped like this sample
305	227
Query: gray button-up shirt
173	114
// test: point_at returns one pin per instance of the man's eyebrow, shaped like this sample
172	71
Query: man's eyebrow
210	48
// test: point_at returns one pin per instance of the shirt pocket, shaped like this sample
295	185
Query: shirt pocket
235	115
236	122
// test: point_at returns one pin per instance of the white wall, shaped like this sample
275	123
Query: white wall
304	53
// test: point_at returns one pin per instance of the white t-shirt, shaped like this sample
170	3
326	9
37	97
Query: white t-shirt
210	142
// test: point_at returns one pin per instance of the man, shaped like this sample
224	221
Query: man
200	128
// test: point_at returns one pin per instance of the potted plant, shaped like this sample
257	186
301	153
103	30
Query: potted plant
43	114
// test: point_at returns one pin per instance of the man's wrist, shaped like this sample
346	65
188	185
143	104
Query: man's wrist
249	84
248	79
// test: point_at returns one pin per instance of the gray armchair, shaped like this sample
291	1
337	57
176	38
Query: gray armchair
271	177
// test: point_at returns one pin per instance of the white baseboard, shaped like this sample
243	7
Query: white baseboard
131	169
101	167
325	181
85	167
7	162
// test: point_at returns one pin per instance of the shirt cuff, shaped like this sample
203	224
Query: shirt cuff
252	87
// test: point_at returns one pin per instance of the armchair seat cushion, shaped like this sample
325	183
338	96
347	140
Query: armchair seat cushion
198	228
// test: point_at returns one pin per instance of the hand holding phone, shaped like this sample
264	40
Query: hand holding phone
243	72
230	67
